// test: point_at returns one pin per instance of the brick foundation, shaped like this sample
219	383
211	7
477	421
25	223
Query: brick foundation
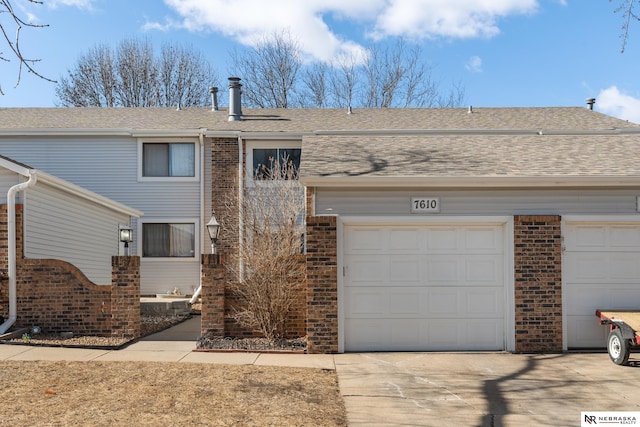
538	283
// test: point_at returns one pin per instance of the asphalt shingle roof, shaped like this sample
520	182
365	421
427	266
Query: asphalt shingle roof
309	120
441	156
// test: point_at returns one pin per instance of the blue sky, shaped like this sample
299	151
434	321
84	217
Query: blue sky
506	53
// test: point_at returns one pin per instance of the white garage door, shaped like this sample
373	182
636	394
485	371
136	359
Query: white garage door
601	271
414	288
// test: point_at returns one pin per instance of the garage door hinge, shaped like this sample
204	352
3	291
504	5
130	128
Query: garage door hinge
344	271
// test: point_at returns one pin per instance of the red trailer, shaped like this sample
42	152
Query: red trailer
624	333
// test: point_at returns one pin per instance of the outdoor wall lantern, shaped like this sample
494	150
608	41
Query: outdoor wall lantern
213	227
126	237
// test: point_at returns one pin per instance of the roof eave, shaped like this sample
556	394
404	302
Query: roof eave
474	182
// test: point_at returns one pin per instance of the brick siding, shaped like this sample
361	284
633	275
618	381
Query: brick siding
538	283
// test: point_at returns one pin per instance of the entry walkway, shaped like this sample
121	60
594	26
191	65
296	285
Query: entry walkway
175	344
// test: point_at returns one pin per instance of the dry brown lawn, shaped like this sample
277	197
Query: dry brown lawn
166	394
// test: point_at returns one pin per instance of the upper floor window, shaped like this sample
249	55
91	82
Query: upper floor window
164	159
272	158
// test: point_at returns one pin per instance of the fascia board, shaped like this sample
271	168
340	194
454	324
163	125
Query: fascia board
473	182
13	167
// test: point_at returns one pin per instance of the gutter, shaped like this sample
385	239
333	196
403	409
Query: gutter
12	250
472	182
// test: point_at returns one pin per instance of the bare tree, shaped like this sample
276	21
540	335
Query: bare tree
315	83
270	71
132	76
183	74
271	270
344	80
628	8
11	26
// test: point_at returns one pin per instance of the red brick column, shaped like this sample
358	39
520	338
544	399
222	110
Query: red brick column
322	284
224	192
538	283
213	287
125	296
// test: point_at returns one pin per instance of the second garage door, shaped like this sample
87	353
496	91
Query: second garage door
601	271
424	287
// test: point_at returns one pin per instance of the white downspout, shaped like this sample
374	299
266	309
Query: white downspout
197	292
12	250
241	184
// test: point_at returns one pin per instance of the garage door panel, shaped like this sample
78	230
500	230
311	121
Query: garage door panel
585	332
602	267
483	270
624	237
404	268
483	239
404	240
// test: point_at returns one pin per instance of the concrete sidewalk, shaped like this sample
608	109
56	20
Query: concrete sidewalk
175	344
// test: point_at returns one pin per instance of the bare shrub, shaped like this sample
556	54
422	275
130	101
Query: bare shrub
265	272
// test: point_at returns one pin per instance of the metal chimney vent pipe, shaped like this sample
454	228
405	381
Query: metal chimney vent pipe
214	98
235	102
591	102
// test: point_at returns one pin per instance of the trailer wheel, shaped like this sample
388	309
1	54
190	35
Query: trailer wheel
618	348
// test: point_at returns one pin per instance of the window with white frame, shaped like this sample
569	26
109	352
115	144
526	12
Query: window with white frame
168	160
168	240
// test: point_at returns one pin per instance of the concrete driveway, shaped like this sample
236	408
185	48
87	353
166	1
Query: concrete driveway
483	389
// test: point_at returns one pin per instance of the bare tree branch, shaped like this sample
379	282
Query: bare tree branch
11	31
628	10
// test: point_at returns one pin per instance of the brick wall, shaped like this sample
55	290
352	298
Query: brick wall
58	297
538	283
322	285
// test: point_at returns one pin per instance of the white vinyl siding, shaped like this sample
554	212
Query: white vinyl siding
7	180
62	226
163	277
496	202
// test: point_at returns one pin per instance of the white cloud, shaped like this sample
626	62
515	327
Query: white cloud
448	18
80	4
615	103
249	20
474	64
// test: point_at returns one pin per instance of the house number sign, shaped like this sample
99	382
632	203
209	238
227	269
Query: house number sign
423	205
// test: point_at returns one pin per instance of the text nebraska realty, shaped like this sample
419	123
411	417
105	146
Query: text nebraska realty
610	419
